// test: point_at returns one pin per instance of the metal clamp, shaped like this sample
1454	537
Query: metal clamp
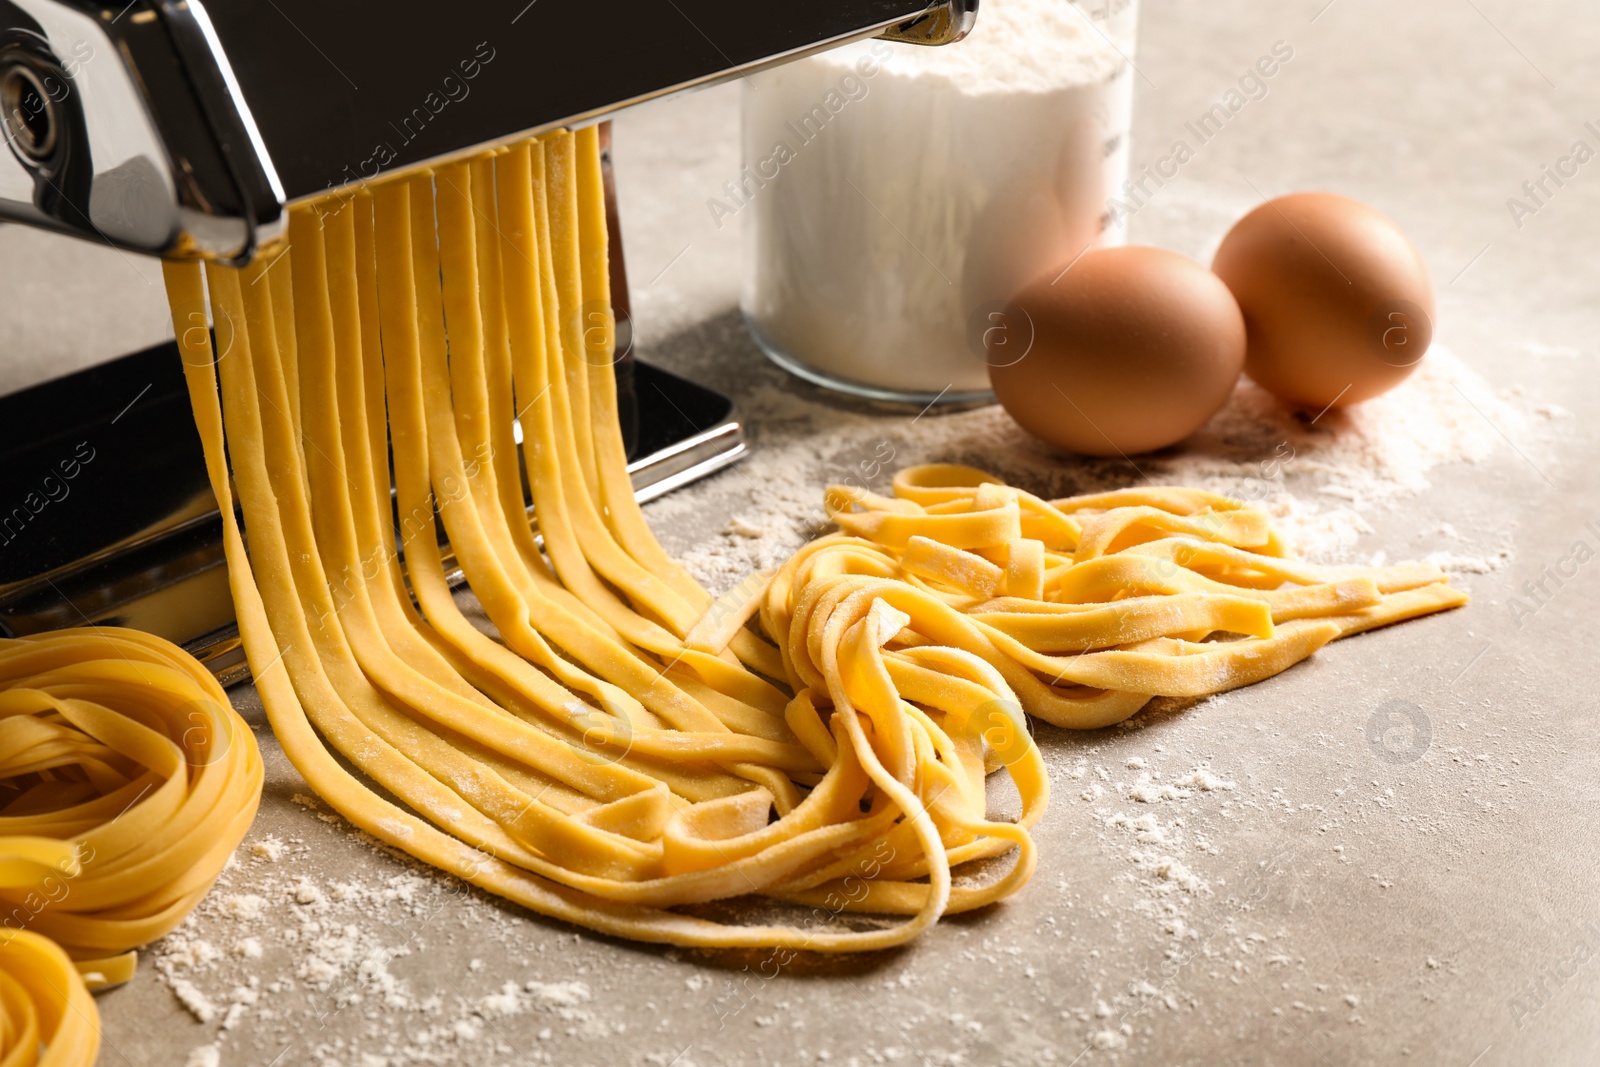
942	23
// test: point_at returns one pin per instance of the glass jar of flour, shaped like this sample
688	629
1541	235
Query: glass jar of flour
895	196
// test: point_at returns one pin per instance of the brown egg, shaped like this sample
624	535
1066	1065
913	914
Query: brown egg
1336	298
1131	349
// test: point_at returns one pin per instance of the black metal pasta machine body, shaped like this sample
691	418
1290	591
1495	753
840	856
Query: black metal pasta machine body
186	129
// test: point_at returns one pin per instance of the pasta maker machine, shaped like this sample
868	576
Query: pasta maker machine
185	129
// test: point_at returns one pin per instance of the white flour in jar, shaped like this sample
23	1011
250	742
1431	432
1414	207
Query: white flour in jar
894	192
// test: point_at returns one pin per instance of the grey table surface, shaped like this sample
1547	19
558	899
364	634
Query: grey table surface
1339	903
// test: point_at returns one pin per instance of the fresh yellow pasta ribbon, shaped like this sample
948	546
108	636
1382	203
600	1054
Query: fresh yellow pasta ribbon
1163	591
47	1018
126	782
625	744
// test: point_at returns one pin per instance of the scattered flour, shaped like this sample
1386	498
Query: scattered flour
1152	825
1321	481
562	995
194	1002
245	907
307	950
1202	778
268	848
204	1056
1459	564
1148	790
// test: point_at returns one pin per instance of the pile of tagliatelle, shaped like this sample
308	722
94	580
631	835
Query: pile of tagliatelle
622	745
126	782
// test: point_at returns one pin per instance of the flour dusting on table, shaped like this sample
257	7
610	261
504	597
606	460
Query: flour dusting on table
1320	478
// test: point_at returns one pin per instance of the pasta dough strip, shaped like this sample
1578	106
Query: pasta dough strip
126	782
616	757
